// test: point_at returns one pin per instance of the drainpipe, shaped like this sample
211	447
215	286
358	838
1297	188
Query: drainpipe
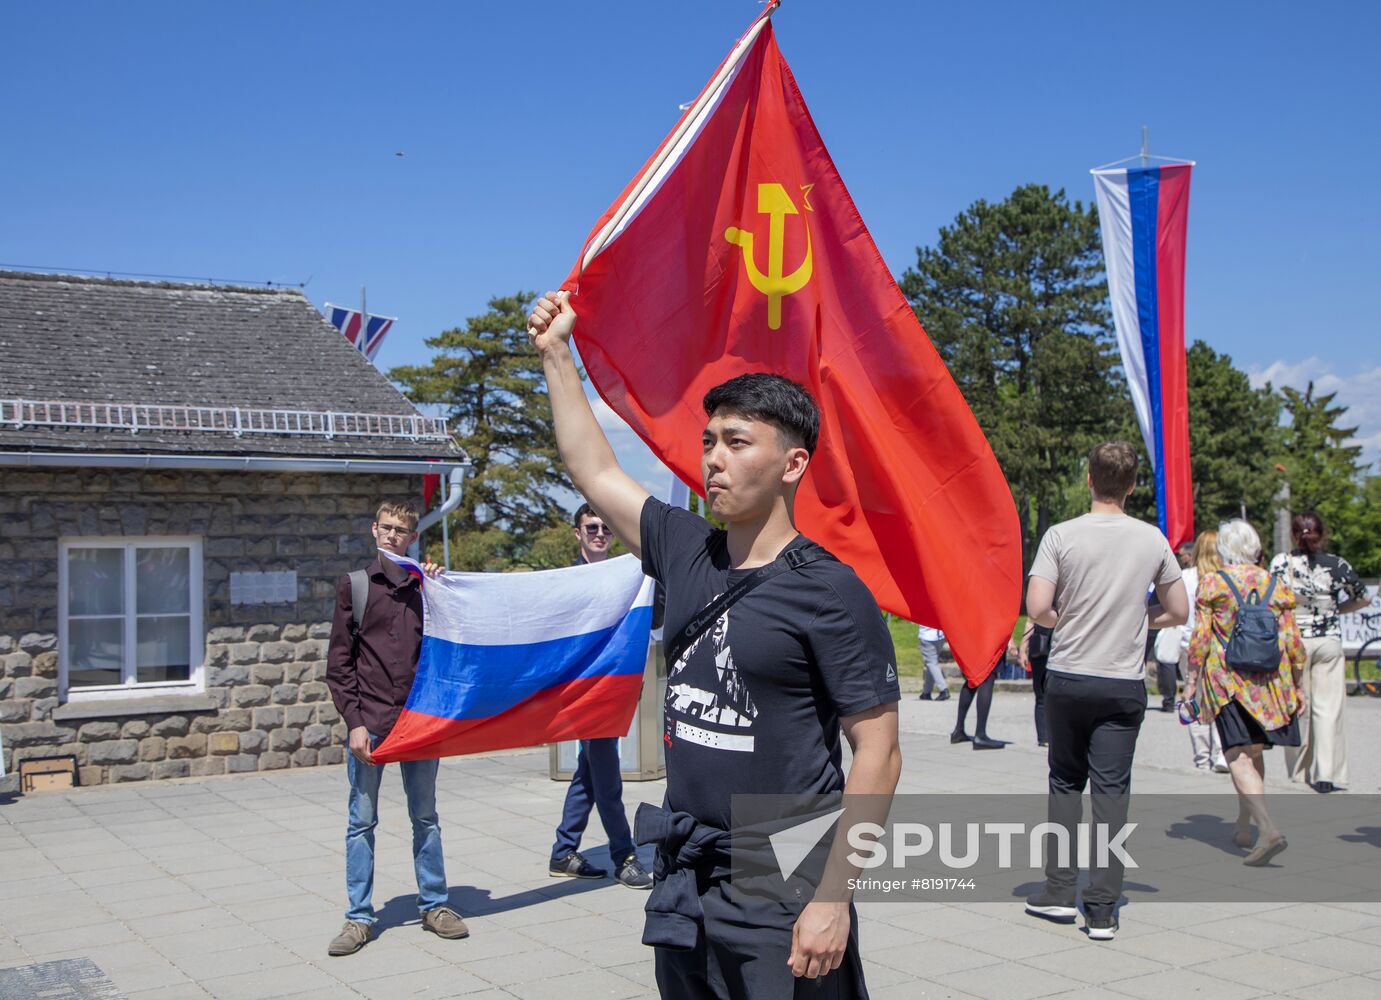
450	502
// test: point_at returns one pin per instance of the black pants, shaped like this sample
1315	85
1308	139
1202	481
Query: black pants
1038	678
984	695
742	953
1167	677
1094	722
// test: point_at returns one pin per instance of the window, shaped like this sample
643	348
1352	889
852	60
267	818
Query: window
130	616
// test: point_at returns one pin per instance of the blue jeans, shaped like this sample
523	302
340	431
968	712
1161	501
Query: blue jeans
597	782
419	784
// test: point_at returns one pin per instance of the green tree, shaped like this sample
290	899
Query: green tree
1234	443
1013	297
1325	474
1321	465
1358	536
491	384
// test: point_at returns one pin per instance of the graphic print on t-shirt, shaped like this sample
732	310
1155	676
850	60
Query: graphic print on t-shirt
707	700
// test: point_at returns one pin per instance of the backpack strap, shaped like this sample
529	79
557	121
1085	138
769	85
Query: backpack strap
359	598
789	560
1236	594
1270	589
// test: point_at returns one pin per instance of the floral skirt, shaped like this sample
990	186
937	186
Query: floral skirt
1237	727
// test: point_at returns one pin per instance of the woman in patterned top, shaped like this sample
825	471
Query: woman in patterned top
1250	711
1325	587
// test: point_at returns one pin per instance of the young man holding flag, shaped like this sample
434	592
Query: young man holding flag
757	701
371	660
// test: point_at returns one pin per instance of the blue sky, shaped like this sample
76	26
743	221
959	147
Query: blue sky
257	141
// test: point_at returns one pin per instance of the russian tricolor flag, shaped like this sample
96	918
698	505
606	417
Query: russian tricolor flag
1144	213
519	659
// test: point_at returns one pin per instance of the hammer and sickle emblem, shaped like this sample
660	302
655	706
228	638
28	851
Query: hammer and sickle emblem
776	204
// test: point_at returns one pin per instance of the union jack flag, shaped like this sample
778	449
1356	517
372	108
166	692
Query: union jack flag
347	321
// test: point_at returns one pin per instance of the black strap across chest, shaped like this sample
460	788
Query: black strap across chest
791	559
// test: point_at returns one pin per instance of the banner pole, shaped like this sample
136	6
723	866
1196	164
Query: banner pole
445	526
691	119
363	338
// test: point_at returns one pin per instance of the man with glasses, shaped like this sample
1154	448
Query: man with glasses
370	665
597	781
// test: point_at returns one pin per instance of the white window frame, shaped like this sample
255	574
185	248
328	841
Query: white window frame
132	688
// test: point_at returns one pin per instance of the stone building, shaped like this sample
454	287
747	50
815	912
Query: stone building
185	471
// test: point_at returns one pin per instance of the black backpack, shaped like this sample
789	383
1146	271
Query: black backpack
1254	646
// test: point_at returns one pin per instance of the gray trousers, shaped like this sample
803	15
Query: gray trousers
934	676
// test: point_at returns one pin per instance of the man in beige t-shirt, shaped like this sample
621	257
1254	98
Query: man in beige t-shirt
1103	567
1090	581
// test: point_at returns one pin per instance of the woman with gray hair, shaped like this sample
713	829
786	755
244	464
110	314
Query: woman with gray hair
1252	710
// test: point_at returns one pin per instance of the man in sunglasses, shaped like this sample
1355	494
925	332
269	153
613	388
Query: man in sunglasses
597	782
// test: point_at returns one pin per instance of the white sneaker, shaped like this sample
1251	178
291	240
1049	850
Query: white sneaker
1052	907
1100	926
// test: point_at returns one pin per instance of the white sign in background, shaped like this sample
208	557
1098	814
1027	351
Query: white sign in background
278	587
1354	631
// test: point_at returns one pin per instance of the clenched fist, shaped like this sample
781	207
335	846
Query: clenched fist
551	322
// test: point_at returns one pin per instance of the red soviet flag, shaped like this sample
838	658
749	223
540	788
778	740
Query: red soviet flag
737	249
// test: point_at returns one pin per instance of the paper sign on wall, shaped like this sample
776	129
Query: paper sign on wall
264	588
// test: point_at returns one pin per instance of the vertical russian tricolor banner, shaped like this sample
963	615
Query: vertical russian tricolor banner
1144	213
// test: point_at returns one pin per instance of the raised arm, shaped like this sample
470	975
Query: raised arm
584	449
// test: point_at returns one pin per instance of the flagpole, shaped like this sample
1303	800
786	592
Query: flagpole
445	526
691	120
363	340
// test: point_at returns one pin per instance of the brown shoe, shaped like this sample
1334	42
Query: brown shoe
1264	853
445	922
351	939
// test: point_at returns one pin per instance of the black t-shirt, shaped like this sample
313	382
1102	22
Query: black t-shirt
753	706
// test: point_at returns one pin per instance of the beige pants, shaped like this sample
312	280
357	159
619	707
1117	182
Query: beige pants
1322	753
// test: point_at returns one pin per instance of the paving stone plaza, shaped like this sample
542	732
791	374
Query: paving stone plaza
231	887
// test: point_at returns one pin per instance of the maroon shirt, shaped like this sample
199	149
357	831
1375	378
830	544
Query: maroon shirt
372	690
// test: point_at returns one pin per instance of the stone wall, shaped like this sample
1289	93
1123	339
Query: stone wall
265	704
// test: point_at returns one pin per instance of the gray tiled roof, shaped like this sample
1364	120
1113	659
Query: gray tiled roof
97	339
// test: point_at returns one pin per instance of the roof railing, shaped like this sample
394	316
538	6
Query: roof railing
234	420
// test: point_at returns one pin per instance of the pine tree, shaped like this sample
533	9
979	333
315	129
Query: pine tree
1325	474
1357	537
1322	467
490	382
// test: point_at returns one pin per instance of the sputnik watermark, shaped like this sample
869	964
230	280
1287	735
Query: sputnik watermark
1094	844
999	846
